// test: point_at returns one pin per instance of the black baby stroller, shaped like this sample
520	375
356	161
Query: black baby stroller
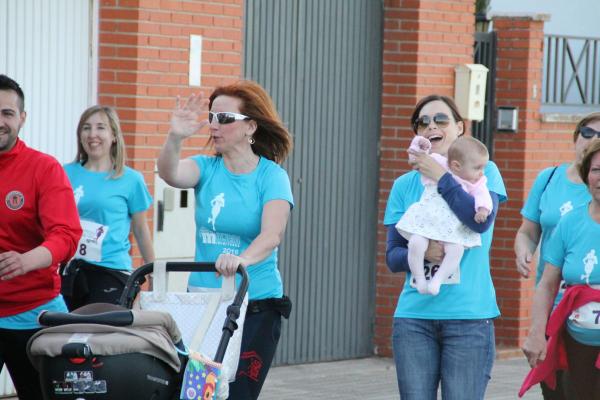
111	352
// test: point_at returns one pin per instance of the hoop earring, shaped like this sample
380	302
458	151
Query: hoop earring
251	140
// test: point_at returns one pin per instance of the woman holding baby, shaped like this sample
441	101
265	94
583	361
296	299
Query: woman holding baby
446	335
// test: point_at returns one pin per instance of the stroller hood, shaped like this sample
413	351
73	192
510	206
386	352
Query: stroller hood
151	332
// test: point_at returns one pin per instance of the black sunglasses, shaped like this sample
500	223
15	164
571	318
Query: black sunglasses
588	132
441	120
224	118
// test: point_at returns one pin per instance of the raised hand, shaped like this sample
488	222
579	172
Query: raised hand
185	119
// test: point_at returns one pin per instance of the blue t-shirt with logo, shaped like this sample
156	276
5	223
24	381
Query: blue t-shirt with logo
546	206
228	218
574	247
473	297
105	208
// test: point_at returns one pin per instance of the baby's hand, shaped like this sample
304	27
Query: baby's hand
481	215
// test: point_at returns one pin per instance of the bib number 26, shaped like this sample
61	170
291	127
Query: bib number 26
430	269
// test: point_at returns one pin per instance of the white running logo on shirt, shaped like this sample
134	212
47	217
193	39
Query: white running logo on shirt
565	208
217	203
78	193
589	261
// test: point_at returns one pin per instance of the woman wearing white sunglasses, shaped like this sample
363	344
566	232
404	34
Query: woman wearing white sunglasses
243	201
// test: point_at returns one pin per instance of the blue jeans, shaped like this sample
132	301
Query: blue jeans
459	353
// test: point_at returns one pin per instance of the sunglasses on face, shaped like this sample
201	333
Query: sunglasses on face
224	118
588	132
441	120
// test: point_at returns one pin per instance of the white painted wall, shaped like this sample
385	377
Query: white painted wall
48	48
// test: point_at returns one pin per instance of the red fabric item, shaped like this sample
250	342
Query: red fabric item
556	356
37	208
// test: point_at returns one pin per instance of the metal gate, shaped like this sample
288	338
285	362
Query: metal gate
485	53
321	62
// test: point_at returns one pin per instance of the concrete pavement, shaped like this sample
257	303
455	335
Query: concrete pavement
375	379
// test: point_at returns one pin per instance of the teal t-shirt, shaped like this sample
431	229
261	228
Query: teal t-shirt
228	218
574	247
28	319
105	208
474	296
546	207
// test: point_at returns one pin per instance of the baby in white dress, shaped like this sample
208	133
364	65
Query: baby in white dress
432	219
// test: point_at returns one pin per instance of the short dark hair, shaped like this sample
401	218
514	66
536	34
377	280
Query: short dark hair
586	163
7	83
435	97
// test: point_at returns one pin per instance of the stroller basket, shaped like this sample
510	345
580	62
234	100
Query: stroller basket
233	310
104	351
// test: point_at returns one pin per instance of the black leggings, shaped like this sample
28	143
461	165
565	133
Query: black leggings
13	350
561	392
259	342
583	376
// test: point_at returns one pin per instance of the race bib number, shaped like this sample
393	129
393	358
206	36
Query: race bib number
90	245
587	316
431	269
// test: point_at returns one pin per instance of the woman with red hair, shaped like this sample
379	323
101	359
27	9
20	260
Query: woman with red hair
243	201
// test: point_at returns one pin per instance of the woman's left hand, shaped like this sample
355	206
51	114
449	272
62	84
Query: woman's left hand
426	165
227	264
534	349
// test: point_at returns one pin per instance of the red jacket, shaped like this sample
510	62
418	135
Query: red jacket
37	207
556	356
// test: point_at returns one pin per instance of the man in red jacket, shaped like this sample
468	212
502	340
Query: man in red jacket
39	229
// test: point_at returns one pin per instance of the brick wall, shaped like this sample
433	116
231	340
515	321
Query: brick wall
520	157
143	66
519	58
423	42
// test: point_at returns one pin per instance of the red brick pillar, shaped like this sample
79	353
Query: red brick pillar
519	84
423	42
143	65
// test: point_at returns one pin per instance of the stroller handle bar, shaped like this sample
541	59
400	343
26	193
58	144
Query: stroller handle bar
113	318
138	275
233	311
